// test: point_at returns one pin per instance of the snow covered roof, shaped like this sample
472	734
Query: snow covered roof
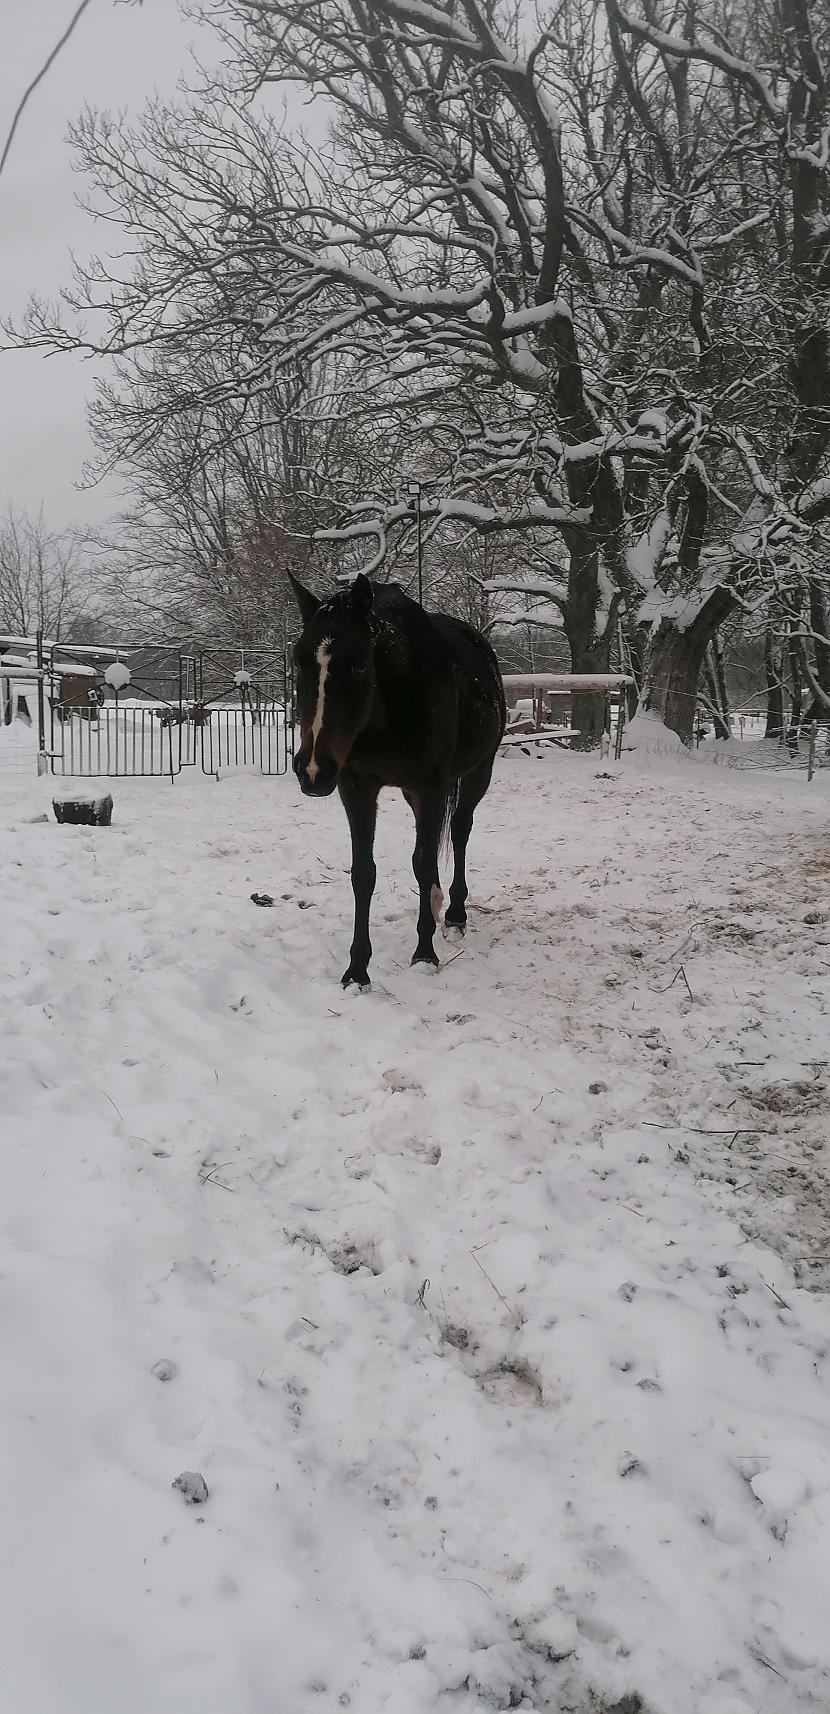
59	668
9	660
73	669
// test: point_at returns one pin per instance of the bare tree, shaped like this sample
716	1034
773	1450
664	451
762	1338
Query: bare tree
46	580
35	82
579	263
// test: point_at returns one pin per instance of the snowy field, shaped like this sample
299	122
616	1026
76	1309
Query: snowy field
496	1298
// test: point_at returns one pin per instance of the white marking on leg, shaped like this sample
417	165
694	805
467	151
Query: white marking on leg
436	901
323	657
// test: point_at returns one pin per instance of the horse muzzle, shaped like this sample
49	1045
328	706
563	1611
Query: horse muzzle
317	779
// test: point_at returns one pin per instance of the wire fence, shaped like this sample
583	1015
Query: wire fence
799	749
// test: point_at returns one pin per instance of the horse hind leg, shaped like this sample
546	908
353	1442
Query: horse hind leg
429	815
470	793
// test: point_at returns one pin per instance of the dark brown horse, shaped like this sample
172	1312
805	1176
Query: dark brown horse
389	695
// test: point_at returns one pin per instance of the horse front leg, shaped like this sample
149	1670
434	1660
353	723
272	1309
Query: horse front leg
360	801
429	816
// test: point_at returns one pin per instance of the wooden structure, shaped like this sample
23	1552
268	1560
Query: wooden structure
18	688
67	683
547	687
72	684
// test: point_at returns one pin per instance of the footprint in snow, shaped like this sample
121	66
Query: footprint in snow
512	1383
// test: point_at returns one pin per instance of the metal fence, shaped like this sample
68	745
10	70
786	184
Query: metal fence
246	698
154	709
117	741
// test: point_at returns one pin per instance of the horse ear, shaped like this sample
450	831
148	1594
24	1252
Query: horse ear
362	594
307	603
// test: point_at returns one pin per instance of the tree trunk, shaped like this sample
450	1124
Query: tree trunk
820	627
674	660
773	668
716	683
632	660
589	652
720	679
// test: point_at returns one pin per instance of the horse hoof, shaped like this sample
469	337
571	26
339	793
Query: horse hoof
430	957
454	930
357	978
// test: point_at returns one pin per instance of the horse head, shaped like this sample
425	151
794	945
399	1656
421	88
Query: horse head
335	680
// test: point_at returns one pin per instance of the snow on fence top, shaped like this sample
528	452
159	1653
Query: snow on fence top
566	681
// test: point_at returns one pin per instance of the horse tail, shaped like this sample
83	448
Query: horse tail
450	807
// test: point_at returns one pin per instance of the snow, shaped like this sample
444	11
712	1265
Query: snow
645	555
118	675
490	1306
815	497
657	606
77	669
653	422
648	734
565	681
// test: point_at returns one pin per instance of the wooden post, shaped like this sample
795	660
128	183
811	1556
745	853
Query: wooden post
811	754
622	709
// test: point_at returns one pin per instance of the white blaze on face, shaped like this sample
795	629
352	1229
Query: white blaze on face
323	657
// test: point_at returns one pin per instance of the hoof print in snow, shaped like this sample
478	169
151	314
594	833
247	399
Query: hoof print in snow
457	1337
627	1291
348	1259
263	899
552	1635
789	1099
192	1487
780	1492
345	1258
92	811
597	1088
512	1383
165	1369
401	1083
630	1466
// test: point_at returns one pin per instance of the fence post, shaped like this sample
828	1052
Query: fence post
41	711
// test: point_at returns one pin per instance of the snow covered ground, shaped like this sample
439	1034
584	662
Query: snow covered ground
496	1298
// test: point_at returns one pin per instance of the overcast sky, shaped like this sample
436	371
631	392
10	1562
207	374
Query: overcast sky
117	57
